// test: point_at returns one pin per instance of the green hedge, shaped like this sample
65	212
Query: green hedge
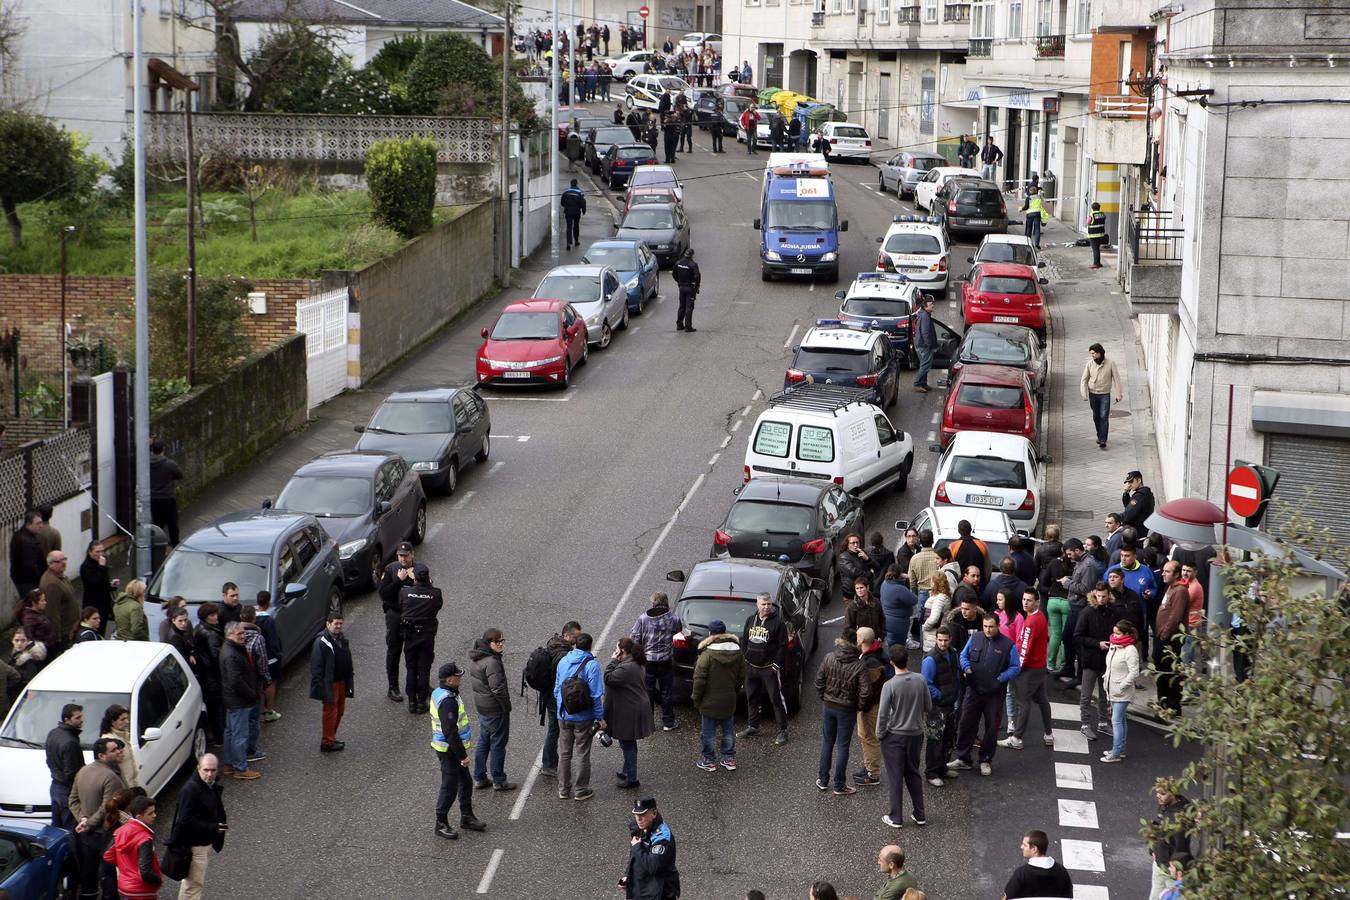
401	175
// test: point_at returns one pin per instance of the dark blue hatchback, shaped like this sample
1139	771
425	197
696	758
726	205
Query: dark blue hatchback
834	352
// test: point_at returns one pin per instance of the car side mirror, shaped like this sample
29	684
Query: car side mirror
1040	264
902	525
267	504
1022	532
839	295
879	240
36	850
294	591
755	224
1046	459
736	491
675	575
1042	280
970	259
484	332
843	226
383	507
151	734
359	429
934	448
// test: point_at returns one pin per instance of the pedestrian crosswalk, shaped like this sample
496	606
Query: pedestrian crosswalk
1078	854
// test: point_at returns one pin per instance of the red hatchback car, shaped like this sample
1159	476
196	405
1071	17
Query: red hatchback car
533	342
990	398
1004	294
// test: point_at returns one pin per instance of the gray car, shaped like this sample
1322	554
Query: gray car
899	173
436	428
663	226
367	501
596	292
284	553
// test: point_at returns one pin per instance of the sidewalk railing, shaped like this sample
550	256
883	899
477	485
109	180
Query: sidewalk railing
1120	106
1150	235
1050	46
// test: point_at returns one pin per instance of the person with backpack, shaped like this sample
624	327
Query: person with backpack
654	630
540	674
579	695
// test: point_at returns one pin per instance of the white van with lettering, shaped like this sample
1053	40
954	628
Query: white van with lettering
831	433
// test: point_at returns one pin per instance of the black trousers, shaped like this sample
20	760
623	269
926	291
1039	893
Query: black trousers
1096	251
687	137
456	782
939	750
419	646
393	645
762	685
164	514
902	756
89	847
977	708
672	140
59	794
716	132
661	688
1169	681
685	316
1072	665
215	713
750	141
573	229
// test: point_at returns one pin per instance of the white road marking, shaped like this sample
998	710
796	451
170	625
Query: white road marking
757	395
661	299
1091	892
563	399
436	529
1077	814
812	288
1085	856
495	466
737	424
1073	776
518	438
726	440
745	411
791	334
1070	741
1067	711
932	436
713	460
530	780
867	184
635	329
460	503
832	621
485	883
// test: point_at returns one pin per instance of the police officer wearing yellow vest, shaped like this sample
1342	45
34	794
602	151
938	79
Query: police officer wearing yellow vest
452	749
1096	234
1036	215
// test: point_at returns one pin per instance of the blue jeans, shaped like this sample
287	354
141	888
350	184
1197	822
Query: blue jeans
493	733
1118	710
1101	414
629	749
235	749
897	631
710	747
1033	228
835	737
550	758
254	728
925	364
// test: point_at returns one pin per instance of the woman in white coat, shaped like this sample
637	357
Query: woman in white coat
1122	668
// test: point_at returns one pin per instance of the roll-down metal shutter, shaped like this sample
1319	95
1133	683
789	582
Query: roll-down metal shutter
1315	478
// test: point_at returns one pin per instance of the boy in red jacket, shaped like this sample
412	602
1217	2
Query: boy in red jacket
133	853
1029	686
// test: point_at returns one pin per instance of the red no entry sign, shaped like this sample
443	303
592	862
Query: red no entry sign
1245	491
644	11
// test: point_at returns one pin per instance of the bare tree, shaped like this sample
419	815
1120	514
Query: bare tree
11	35
256	180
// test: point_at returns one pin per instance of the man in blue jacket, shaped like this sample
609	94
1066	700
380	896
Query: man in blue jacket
581	713
989	661
925	344
1138	578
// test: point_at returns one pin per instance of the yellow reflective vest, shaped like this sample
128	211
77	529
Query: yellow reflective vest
1036	205
438	742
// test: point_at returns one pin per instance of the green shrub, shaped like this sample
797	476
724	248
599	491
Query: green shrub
401	176
221	306
166	390
37	162
444	60
369	242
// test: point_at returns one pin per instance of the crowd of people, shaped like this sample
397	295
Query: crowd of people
589	50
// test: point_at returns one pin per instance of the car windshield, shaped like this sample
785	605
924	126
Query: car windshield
649	217
850	361
196	575
652	177
525	326
990	396
849	131
326	495
913	243
771	518
735	105
876	306
1001	252
700	611
1001	350
801	215
39	711
1006	284
573	288
988	472
410	417
625	259
672	83
634	153
923	164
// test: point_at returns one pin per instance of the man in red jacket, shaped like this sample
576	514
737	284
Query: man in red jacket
750	122
1029	685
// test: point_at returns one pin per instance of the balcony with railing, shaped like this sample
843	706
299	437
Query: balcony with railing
1050	46
907	15
818	19
956	12
981	48
1120	106
1154	246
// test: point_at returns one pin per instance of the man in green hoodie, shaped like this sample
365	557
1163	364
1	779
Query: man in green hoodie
718	676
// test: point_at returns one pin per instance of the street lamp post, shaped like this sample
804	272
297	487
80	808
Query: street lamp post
66	231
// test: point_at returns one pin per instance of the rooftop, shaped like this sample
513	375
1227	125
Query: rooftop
424	13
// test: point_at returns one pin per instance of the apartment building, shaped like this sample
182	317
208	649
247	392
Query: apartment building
1237	264
774	37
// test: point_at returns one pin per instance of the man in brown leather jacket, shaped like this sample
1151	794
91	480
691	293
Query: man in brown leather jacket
845	688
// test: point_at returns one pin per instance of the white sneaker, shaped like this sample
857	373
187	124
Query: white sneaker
1110	757
936	782
986	769
889	821
1012	743
958	763
1048	740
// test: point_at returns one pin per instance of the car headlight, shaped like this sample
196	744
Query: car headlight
773	255
594	321
427	466
346	551
546	361
632	283
829	257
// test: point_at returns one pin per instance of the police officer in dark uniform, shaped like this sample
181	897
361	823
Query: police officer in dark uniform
670	131
718	123
635	121
421	605
396	575
573	203
686	116
1096	231
688	277
651	871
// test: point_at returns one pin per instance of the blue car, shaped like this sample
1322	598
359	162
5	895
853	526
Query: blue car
637	266
37	862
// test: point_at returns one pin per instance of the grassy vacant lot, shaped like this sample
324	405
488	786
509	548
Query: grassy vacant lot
298	235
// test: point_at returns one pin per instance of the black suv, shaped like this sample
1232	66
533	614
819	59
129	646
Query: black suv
971	205
775	517
726	590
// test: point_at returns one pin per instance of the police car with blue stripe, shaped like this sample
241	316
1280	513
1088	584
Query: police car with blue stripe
835	352
882	301
917	247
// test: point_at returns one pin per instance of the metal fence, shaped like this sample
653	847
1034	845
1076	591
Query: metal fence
45	472
1150	236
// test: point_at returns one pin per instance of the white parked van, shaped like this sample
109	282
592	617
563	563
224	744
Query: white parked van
828	432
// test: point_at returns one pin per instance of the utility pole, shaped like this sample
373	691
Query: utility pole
141	389
191	243
504	207
573	46
555	47
66	231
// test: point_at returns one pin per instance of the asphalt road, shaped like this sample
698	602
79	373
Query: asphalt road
590	497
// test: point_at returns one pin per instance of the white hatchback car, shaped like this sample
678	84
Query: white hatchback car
988	526
933	180
989	470
150	679
596	292
1012	248
636	63
844	140
916	247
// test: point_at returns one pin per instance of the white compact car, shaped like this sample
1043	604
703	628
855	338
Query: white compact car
916	247
690	42
630	64
933	180
763	136
644	91
989	470
826	432
989	526
596	292
1011	248
844	140
150	679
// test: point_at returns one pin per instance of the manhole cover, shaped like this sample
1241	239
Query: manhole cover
1119	414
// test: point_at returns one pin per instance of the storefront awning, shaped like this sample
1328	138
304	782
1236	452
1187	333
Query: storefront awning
1297	412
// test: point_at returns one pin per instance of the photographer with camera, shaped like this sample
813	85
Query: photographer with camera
397	574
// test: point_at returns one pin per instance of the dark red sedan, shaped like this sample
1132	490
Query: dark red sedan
533	342
1004	294
990	398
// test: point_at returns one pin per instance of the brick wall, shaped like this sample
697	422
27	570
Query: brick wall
103	307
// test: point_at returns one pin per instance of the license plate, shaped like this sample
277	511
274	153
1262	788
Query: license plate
1011	320
800	271
913	268
983	500
979	221
515	374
